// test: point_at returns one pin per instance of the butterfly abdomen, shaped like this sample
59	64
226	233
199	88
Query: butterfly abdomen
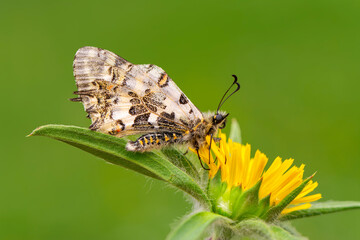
154	140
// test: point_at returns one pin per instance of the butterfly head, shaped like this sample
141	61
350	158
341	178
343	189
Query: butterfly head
219	119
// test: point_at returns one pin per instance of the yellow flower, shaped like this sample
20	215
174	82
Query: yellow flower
239	170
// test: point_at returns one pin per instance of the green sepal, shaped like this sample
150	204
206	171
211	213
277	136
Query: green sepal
246	205
219	196
112	149
214	188
195	226
275	211
263	206
235	131
321	208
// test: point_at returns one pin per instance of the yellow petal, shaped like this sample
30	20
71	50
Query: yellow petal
296	208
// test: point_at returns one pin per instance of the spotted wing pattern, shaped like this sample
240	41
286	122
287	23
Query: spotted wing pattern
125	99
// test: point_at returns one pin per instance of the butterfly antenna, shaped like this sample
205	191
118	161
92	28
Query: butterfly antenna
237	89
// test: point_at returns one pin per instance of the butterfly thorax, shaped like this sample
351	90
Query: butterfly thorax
206	127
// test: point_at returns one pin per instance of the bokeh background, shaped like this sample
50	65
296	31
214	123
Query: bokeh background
298	64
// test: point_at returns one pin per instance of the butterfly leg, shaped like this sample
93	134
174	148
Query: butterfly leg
211	138
197	151
187	150
216	139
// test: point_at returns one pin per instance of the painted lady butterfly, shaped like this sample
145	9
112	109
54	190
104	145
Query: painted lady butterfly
123	99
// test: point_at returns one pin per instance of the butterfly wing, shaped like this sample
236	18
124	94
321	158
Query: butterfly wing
125	99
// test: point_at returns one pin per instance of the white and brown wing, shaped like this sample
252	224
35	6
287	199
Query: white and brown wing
124	99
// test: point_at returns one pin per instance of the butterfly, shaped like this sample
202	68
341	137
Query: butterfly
124	99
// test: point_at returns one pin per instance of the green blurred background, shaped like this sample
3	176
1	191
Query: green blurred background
298	64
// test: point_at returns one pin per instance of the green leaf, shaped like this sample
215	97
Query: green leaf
253	229
235	132
282	234
194	227
182	162
257	229
112	149
321	208
275	211
286	225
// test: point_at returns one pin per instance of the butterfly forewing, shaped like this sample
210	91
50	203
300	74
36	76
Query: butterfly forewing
125	99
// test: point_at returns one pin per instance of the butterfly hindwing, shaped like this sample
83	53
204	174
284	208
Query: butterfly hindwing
125	99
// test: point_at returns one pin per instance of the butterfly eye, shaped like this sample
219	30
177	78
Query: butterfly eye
223	125
218	118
